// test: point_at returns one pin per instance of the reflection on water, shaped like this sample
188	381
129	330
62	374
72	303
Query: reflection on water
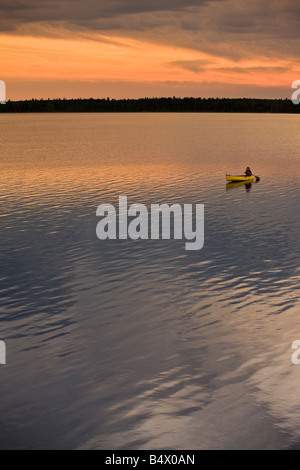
141	344
245	184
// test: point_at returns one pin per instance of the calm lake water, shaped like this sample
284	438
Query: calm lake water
141	344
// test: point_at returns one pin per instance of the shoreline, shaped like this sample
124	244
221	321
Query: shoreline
152	105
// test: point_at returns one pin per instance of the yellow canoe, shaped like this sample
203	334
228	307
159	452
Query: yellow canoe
240	178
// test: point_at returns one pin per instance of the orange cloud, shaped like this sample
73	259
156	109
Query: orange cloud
100	57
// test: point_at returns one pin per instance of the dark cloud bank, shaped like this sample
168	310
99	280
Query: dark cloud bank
270	18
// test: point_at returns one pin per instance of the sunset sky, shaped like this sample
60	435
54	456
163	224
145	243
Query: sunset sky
138	48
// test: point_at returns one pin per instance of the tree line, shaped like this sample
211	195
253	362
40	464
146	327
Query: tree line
155	105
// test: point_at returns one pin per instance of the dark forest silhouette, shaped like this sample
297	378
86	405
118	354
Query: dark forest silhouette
150	105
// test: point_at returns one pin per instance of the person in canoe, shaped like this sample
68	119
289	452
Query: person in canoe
248	172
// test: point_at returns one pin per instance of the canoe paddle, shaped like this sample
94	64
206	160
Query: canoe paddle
257	178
